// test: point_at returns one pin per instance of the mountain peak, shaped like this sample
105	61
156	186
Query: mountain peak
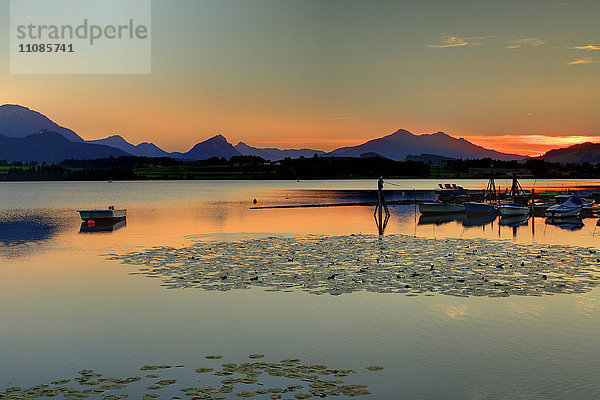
144	149
216	146
16	108
401	133
403	143
219	137
18	122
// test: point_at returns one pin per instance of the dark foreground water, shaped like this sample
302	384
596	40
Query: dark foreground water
66	307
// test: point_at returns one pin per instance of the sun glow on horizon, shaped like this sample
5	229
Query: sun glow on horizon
528	145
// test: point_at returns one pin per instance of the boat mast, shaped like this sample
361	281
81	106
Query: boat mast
516	188
491	186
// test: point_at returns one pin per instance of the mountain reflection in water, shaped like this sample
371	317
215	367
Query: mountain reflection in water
25	229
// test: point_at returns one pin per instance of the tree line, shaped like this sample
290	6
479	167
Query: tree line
253	167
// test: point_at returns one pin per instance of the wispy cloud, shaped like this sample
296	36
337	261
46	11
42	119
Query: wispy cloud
586	60
338	118
520	43
457	41
587	47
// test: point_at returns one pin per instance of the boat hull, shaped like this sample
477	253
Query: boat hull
441	208
480	208
103	215
559	214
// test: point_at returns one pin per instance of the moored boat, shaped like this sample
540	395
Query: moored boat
475	207
109	214
587	203
513	209
439	207
447	188
568	208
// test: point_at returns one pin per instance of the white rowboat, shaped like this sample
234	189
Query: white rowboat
513	209
108	214
438	207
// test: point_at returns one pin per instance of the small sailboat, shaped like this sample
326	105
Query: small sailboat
439	207
512	209
569	208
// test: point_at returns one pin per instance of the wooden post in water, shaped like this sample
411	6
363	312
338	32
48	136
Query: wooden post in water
532	212
380	208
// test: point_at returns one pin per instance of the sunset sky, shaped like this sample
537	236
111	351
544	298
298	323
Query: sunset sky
515	76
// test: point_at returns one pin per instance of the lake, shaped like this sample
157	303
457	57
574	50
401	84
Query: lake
66	306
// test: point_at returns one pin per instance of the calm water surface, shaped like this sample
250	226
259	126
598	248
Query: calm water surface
64	307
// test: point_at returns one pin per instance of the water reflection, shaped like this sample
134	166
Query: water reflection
568	223
472	220
108	226
23	229
440	219
514	220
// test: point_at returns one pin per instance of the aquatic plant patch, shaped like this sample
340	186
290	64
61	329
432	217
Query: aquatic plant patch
286	379
391	264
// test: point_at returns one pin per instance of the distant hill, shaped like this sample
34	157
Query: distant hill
576	154
18	122
402	143
216	146
51	147
371	155
428	158
274	154
144	149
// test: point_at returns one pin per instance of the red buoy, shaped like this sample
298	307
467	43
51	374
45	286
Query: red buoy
91	222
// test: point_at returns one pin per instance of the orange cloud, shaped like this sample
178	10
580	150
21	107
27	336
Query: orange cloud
583	61
533	42
588	47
